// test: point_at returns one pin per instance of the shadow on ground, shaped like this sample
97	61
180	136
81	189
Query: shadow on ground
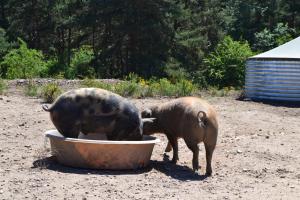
178	172
276	103
52	164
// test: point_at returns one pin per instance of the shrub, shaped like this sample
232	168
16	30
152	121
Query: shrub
226	66
185	88
216	92
23	62
89	83
50	92
3	86
55	68
31	89
165	88
80	63
128	88
135	86
96	84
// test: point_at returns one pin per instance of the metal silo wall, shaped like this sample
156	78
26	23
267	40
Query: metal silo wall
273	79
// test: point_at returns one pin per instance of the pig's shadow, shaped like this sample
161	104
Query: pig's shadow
179	172
182	173
52	164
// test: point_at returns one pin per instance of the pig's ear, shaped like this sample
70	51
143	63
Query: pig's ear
147	113
149	120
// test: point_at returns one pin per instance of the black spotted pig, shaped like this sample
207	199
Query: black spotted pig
93	110
190	118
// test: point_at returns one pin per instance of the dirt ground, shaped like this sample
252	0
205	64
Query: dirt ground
257	157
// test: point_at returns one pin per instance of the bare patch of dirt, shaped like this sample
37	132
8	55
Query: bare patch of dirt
257	157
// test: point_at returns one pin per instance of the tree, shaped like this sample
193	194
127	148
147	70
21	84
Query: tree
4	44
129	36
226	65
268	39
250	17
80	63
3	14
147	37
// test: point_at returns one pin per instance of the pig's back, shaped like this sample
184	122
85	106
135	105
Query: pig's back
181	115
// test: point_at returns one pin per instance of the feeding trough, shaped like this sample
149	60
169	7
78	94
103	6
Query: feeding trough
101	154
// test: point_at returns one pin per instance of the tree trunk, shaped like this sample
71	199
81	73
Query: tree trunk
93	38
69	46
4	21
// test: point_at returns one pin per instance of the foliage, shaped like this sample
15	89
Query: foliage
135	86
283	33
23	62
267	39
55	68
96	84
216	92
198	27
50	92
199	78
174	71
253	16
4	44
185	88
3	86
31	89
128	88
80	63
165	39
226	66
165	88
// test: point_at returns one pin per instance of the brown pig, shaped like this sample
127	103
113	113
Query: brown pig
190	118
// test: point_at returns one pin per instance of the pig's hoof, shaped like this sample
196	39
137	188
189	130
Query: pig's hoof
197	172
168	149
166	157
209	173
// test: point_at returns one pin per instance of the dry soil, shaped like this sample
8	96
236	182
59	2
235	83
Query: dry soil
257	157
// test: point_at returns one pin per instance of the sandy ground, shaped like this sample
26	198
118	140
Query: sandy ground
257	157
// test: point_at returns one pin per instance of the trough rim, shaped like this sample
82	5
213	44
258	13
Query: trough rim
53	133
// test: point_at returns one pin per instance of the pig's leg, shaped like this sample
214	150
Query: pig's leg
209	149
193	146
174	143
168	147
210	143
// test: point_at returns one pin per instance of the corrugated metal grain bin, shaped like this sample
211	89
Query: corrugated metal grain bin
275	74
